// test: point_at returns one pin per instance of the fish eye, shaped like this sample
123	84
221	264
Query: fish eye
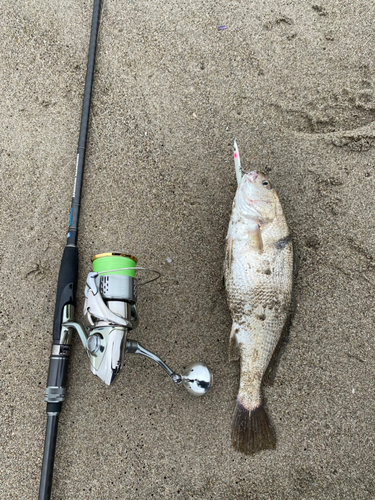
267	185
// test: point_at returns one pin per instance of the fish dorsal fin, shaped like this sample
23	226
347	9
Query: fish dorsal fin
228	256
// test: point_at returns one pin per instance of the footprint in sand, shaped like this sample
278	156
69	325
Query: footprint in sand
351	108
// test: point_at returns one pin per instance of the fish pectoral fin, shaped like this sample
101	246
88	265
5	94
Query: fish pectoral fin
234	348
256	240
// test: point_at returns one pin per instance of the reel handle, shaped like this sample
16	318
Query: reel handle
196	378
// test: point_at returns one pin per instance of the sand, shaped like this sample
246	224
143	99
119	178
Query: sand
293	82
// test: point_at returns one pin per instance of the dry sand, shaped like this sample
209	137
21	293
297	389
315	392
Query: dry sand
293	82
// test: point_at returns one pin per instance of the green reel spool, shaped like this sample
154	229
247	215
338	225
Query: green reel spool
110	263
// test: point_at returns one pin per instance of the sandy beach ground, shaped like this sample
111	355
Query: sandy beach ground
294	83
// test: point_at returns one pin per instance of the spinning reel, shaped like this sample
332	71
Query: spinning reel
110	313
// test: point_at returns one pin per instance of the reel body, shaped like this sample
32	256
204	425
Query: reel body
110	313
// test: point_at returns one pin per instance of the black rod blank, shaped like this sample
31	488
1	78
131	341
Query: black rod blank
48	457
74	215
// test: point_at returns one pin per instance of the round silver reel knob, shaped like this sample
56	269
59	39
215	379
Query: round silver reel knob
197	379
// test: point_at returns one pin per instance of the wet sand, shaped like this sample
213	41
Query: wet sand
294	84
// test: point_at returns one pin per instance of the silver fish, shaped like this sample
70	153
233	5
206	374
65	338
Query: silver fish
258	273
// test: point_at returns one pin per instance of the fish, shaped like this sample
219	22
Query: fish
258	276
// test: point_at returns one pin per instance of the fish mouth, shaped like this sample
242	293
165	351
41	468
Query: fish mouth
252	176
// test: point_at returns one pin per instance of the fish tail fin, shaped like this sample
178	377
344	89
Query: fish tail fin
252	430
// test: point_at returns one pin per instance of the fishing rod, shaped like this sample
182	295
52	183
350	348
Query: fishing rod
109	309
67	286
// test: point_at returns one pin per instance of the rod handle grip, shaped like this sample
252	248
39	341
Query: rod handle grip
66	288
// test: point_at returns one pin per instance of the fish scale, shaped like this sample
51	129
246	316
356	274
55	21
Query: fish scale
258	272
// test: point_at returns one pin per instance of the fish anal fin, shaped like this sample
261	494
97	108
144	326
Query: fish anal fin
234	348
252	430
270	374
